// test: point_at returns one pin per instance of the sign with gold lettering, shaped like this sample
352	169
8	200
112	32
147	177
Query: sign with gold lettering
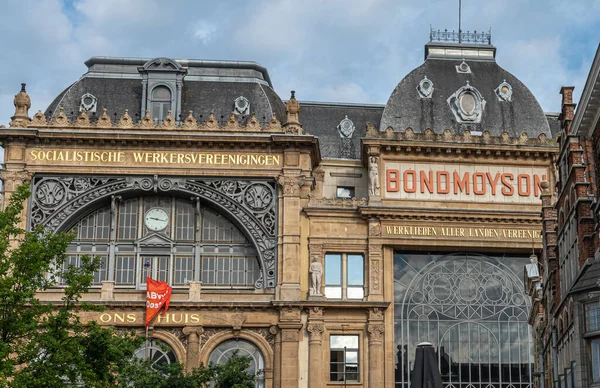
136	318
133	158
463	233
463	182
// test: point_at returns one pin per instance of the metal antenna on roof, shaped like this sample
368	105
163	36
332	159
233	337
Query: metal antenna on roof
459	17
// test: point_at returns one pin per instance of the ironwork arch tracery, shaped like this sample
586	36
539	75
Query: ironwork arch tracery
472	308
56	200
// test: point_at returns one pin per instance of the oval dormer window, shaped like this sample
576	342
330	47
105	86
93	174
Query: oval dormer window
467	103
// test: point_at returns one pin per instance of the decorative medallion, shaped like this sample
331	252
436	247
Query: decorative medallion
242	105
425	88
504	91
467	104
88	102
463	68
346	128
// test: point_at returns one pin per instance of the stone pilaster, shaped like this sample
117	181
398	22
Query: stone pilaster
376	330
315	329
193	350
289	324
290	274
375	269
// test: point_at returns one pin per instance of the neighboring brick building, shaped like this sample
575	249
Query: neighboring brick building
566	297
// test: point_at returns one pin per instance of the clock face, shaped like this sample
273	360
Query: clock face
156	219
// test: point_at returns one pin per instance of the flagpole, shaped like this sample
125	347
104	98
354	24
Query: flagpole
147	265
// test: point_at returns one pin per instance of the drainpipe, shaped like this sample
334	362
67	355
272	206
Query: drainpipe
555	351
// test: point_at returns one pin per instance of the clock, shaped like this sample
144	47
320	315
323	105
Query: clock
156	219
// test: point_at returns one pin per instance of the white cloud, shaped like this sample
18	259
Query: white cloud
204	31
344	50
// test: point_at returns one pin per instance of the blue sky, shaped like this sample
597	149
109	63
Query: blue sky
327	50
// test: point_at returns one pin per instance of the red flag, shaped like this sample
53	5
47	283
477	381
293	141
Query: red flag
157	295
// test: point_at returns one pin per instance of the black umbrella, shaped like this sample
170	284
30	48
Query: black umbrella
426	373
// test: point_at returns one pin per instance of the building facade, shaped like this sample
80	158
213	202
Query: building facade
565	292
324	240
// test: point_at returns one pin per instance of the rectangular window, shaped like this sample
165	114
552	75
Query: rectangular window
595	361
183	270
128	219
343	358
102	273
185	223
592	311
345	192
344	276
125	270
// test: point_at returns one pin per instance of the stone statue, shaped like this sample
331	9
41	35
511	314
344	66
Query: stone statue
374	175
316	273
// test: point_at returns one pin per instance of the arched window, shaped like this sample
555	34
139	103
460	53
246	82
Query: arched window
160	103
158	351
242	348
473	309
171	239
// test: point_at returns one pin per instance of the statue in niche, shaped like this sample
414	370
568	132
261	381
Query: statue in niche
374	175
316	273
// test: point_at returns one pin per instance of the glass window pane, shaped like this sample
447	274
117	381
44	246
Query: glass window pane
341	341
355	270
333	270
593	317
595	345
355	292
333	292
161	93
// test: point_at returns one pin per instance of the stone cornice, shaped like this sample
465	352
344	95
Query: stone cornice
450	214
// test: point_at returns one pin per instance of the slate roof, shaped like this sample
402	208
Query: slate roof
589	279
208	86
406	109
321	119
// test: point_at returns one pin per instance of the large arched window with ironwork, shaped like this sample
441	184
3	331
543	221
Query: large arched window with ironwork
473	309
157	351
172	239
243	348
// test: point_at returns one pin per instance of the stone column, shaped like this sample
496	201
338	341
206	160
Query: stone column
193	346
315	330
376	329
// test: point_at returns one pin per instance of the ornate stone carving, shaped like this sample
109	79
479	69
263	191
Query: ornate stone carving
11	179
125	120
147	121
291	184
375	314
504	91
274	124
289	335
237	320
190	122
346	128
315	313
61	118
351	203
374	188
375	274
168	122
253	124
374	228
467	104
39	119
375	332
425	88
83	120
22	103
316	273
316	331
292	109
253	203
197	330
88	103
290	314
104	120
232	123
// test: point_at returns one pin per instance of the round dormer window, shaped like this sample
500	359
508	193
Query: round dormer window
242	105
467	103
426	85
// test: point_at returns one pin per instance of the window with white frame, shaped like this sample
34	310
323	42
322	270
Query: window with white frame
344	358
344	276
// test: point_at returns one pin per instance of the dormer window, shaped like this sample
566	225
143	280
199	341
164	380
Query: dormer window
160	104
162	83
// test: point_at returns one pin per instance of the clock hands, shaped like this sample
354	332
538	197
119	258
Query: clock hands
157	219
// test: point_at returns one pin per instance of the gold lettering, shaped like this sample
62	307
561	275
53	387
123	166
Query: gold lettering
121	157
164	317
34	154
119	317
131	318
194	318
105	317
176	321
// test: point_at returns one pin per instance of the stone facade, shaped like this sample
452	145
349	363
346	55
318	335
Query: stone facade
453	196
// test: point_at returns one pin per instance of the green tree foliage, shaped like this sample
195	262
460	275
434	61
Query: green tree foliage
46	344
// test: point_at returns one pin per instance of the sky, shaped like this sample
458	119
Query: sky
327	50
